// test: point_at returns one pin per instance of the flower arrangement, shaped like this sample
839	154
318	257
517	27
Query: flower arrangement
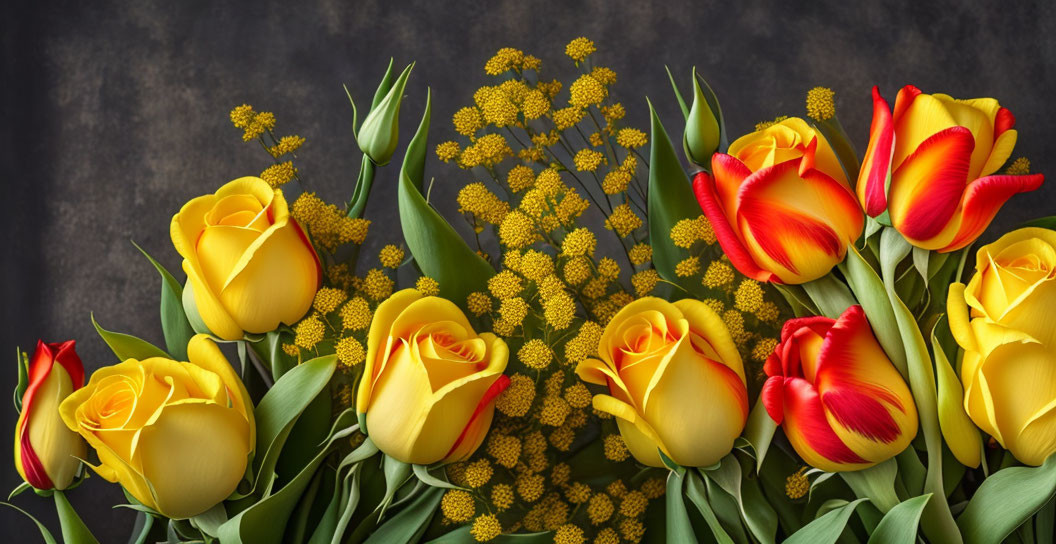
777	345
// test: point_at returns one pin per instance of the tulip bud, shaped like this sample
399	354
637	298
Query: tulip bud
701	139
380	132
47	454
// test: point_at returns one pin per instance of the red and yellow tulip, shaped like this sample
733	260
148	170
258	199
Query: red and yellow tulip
931	163
780	204
839	399
47	454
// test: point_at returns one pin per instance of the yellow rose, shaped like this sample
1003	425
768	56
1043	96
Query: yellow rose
249	265
176	435
1004	320
428	390
675	381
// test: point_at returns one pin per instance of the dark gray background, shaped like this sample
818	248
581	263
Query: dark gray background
115	114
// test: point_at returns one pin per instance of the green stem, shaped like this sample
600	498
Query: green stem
362	190
74	531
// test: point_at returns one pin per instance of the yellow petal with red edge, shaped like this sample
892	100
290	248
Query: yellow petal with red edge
1022	383
202	351
927	186
58	449
876	165
807	429
377	340
194	455
640	437
978	117
918	120
982	199
276	283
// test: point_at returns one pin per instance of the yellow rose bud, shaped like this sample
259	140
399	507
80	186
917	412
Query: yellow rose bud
249	264
428	390
676	382
47	454
1004	321
176	435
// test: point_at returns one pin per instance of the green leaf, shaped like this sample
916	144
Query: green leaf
937	520
678	94
698	496
899	525
827	528
411	522
758	515
74	531
174	324
716	109
265	521
830	295
439	251
422	473
396	474
126	346
701	138
22	362
21	488
209	522
869	289
44	532
1005	500
279	409
679	529
759	432
876	483
1045	523
670	201
1042	223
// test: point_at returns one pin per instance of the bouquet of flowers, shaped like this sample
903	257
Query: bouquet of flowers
788	342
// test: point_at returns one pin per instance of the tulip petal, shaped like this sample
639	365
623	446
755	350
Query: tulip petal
203	352
380	326
927	185
732	245
772	397
977	116
917	118
640	437
194	455
982	199
680	420
1003	147
808	429
876	166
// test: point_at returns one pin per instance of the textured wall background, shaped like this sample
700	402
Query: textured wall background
115	114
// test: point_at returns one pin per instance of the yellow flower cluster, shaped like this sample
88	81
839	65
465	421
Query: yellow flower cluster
327	226
821	104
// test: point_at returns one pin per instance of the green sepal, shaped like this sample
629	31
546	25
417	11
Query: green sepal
758	516
411	522
126	346
422	472
22	362
74	531
759	433
697	494
438	250
876	483
174	324
1005	500
702	136
670	201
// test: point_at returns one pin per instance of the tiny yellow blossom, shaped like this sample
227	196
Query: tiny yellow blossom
475	198
749	296
478	303
641	254
517	399
350	351
520	177
588	160
579	49
797	484
631	138
763	125
616	181
327	299
517	230
580	241
555	410
718	274
356	314
478	473
577	493
458	506
536	265
505	449
513	310
427	286
586	91
309	332
569	534
242	116
654	488
1019	167
504	285
820	103
530	486
600	508
390	256
448	151
577	270
504	60
768	312
685	233
763	348
535	104
467	121
377	285
585	343
486	528
689	266
605	75
559	310
502	497
633	504
535	353
279	174
645	281
623	220
615	448
607	267
566	118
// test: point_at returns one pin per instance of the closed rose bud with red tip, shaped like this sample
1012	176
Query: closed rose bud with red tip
47	453
839	399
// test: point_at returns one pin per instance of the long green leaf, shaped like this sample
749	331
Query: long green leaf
899	525
827	528
439	251
44	532
759	432
74	531
697	494
830	295
174	324
462	536
679	529
279	409
411	522
126	346
670	201
265	521
1005	500
876	483
757	514
869	289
